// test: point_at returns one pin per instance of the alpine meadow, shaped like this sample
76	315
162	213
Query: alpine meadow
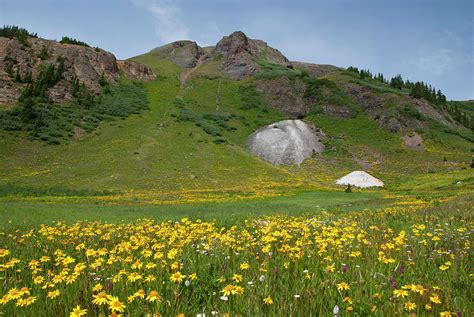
227	179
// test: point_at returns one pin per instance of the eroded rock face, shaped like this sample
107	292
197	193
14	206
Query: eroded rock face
182	53
83	63
286	142
413	141
135	71
241	53
284	96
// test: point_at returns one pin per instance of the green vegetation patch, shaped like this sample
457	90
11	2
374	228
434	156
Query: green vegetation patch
69	40
21	34
463	112
273	71
212	123
54	123
250	98
326	92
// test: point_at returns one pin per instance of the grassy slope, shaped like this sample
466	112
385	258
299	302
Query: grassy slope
146	151
152	151
363	138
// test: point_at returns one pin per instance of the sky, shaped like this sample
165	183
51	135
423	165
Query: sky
425	40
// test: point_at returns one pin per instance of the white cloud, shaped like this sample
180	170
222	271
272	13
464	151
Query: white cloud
169	25
209	35
445	54
436	61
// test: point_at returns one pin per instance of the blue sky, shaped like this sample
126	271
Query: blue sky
424	40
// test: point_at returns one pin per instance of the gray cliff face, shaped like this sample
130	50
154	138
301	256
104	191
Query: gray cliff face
182	53
286	142
241	53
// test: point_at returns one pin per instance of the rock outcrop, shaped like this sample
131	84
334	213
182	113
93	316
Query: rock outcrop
286	142
284	95
83	63
135	71
413	141
240	55
182	53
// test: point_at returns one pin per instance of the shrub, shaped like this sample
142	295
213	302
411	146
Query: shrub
273	71
69	40
250	98
44	54
348	189
409	111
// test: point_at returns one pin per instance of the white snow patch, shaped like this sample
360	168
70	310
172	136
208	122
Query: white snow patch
360	179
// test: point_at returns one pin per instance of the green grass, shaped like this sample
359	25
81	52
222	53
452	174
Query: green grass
27	213
272	71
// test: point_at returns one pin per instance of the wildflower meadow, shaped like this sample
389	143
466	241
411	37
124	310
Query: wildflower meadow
407	260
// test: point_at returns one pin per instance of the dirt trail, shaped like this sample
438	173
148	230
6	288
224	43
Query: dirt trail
187	72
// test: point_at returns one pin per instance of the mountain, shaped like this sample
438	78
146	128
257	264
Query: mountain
186	127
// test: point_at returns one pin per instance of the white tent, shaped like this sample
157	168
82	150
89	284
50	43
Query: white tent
360	179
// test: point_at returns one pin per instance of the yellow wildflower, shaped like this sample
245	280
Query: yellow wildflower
409	306
54	294
153	296
400	293
244	266
100	299
177	277
268	300
237	278
78	312
115	305
343	286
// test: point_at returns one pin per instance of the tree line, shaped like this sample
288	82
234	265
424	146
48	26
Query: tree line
417	89
21	34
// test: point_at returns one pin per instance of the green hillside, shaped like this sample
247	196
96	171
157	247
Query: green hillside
191	138
147	151
463	112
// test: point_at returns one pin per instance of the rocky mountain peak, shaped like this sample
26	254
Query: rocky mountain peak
241	55
234	43
182	53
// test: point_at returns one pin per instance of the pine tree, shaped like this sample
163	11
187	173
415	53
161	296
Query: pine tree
75	88
18	76
28	78
59	70
102	80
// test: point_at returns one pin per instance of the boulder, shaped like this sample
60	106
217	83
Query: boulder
286	142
